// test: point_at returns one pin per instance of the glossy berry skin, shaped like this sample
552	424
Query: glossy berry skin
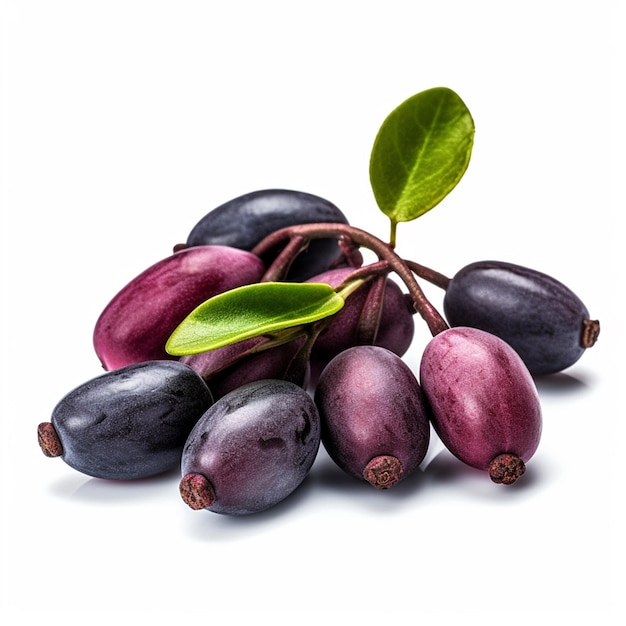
138	321
396	327
371	406
244	221
251	449
132	422
224	369
483	400
542	319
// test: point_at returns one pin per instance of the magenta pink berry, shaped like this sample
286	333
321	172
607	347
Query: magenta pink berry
138	321
484	403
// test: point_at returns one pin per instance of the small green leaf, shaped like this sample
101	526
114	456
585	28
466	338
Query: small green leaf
420	153
250	311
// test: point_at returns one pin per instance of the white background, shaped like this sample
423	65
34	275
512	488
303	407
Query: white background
124	122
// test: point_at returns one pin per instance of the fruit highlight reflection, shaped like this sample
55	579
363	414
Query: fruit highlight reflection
265	336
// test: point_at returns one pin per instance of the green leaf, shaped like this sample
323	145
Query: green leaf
250	311
420	153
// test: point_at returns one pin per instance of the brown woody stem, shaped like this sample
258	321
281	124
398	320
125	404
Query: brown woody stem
369	320
281	264
384	251
430	275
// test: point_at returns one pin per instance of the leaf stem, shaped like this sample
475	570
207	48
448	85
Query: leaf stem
392	233
369	320
384	251
297	370
432	276
281	264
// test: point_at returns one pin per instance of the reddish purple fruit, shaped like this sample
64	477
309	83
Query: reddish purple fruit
138	321
237	364
395	329
484	403
251	449
374	419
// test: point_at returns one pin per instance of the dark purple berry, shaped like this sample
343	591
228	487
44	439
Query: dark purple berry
129	423
251	449
244	221
542	319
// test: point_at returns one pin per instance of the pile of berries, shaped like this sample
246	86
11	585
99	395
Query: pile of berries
266	335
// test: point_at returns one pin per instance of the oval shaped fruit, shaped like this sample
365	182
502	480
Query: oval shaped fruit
244	221
129	423
374	419
484	403
396	327
137	322
237	364
251	449
542	319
